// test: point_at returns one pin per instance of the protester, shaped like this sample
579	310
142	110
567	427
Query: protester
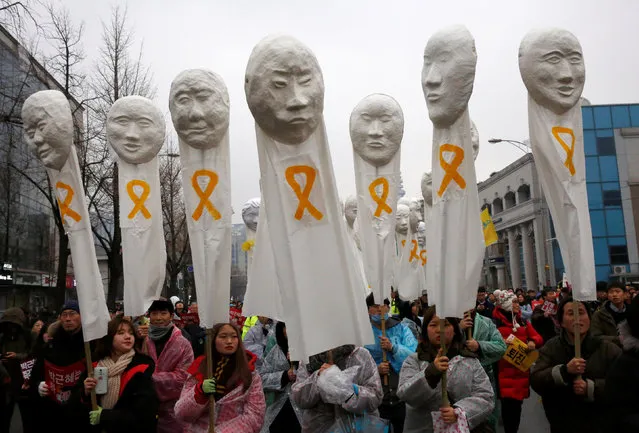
15	345
602	293
56	374
532	295
572	388
423	304
514	384
483	306
257	337
235	387
414	314
487	343
130	404
249	322
399	343
622	382
610	315
544	318
398	307
325	403
420	379
278	375
35	330
172	355
526	309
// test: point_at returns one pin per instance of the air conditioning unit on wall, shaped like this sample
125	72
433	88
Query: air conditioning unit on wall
619	270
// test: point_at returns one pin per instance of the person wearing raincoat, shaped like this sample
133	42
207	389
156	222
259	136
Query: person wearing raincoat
278	375
334	392
469	390
235	386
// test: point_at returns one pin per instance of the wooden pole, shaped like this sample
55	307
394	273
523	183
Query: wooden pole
209	374
330	357
87	357
577	331
384	356
442	344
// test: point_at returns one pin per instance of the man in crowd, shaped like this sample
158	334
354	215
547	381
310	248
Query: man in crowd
257	337
602	293
398	344
485	340
484	306
173	355
56	373
611	314
15	344
544	318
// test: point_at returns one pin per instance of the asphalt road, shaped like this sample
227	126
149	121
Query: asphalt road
533	419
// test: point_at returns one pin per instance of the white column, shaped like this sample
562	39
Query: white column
531	273
501	277
513	255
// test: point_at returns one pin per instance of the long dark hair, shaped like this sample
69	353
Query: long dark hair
428	316
281	339
241	371
105	344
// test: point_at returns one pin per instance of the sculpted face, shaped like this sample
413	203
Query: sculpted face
135	129
402	217
285	89
421	234
448	74
48	127
415	215
350	210
552	67
199	105
251	213
427	188
377	128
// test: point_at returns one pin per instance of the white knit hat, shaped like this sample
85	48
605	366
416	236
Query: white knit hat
504	299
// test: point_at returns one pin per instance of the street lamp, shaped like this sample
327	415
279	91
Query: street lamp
518	144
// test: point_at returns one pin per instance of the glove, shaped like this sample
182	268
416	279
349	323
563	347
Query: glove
208	386
43	389
94	416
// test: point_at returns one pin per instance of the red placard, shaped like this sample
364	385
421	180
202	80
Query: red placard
61	380
549	307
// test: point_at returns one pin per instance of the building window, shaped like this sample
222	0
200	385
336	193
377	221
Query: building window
498	206
618	254
612	198
510	200
523	193
606	145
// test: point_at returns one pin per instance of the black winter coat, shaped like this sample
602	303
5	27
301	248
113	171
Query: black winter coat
137	407
566	411
622	386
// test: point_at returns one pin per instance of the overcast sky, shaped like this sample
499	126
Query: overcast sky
370	46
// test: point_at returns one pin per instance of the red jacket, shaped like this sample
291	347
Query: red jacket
514	383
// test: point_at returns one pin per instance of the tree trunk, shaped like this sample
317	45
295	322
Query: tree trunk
63	258
173	287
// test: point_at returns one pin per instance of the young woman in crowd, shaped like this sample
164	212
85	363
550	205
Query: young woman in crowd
131	403
278	375
235	386
572	388
513	384
469	388
525	307
323	405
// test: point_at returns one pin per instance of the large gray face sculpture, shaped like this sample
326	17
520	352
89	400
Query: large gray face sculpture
48	127
427	188
377	128
135	129
285	89
421	234
251	213
551	64
199	105
402	219
448	74
350	210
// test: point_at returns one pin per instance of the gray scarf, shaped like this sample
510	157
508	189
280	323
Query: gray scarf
158	332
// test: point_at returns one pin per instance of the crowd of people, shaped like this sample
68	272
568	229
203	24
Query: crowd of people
158	378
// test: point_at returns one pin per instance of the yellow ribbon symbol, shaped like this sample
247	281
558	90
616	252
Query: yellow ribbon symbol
381	201
65	206
570	150
204	195
450	170
303	196
138	201
422	256
414	252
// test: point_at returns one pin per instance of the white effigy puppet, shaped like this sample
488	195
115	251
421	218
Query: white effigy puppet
48	130
552	67
454	232
410	275
250	216
377	129
199	105
135	131
317	274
